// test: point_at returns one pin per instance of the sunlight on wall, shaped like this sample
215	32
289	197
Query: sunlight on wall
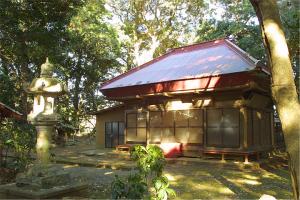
258	114
169	148
178	105
202	102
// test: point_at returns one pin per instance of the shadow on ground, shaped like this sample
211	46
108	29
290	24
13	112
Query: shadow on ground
191	180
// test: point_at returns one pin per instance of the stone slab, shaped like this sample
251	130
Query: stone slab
11	191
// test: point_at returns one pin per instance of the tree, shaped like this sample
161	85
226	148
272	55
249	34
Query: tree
29	32
74	35
283	87
149	28
237	21
91	51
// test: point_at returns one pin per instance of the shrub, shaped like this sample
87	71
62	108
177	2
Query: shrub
148	181
17	138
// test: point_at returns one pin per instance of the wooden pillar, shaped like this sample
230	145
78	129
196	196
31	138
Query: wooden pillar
246	159
272	130
244	121
204	128
148	128
223	157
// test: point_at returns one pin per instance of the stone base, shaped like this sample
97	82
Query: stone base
42	181
11	191
43	177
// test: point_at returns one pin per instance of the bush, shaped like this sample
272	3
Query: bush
149	181
17	138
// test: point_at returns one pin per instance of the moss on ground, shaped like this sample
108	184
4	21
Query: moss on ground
208	182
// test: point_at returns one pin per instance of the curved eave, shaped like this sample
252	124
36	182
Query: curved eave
204	84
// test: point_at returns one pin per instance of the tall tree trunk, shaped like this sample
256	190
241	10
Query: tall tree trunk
76	97
283	86
76	92
24	80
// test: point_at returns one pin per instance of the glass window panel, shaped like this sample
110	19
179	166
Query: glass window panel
214	137
155	119
214	117
131	134
230	117
108	140
168	119
115	128
155	135
182	135
121	128
196	135
108	128
167	135
121	139
196	118
181	118
131	120
231	137
141	135
141	119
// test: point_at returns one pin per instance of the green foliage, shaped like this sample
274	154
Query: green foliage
149	159
149	181
133	187
75	36
237	23
162	190
153	26
17	138
90	41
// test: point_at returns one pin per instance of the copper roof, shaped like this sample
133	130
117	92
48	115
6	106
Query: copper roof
213	58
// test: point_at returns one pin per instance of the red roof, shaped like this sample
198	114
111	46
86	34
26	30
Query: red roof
6	111
184	68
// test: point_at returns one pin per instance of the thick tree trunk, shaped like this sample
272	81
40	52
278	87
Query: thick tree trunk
283	86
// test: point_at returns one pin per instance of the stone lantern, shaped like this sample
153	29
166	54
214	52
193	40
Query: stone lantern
44	116
43	179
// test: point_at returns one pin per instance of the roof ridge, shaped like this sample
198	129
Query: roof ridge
241	52
200	43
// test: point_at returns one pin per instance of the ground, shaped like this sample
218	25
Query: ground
190	177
